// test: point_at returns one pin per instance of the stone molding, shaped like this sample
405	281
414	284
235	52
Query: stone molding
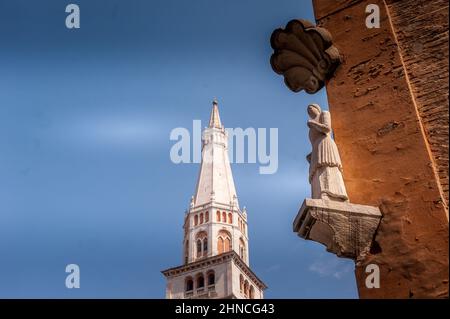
214	260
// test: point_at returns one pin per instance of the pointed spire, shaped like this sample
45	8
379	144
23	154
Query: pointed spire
215	181
214	120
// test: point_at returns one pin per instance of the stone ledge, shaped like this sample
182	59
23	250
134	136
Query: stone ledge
346	229
230	256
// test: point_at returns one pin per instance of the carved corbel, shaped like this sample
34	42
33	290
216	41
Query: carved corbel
304	55
346	229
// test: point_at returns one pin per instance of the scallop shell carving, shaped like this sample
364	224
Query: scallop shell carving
304	55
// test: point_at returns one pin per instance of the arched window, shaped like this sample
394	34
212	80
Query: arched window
199	247
227	244
201	242
230	218
224	217
201	218
241	248
200	281
189	284
205	246
241	283
223	242
186	252
218	216
211	278
206	217
246	287
195	220
219	245
252	293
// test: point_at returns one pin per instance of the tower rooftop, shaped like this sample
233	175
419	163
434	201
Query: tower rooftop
215	180
214	119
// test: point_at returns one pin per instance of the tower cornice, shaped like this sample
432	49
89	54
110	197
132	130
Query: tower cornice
217	259
214	204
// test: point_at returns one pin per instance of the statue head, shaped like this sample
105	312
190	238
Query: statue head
314	111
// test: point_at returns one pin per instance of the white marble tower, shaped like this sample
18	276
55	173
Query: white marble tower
215	245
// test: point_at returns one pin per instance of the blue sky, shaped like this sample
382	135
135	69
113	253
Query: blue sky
85	118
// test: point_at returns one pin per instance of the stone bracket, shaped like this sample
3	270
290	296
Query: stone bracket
305	55
346	229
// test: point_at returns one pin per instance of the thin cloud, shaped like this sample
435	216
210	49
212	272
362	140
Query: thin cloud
120	131
115	131
273	268
287	182
330	267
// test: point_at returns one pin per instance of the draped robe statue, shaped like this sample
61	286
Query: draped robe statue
325	170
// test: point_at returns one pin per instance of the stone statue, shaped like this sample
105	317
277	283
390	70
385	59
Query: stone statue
325	170
346	229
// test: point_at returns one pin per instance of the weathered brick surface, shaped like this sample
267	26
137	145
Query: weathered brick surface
421	27
386	115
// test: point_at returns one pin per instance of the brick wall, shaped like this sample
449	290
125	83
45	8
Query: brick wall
421	28
389	113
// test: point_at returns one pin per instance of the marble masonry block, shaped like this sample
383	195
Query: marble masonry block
346	229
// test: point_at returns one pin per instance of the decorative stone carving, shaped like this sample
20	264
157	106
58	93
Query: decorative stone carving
346	229
325	169
304	55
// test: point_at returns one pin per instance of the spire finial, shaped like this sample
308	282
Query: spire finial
214	120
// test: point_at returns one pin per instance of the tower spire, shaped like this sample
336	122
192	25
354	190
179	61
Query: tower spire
215	181
214	119
215	230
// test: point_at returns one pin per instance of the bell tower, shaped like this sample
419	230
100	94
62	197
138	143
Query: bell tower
215	244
